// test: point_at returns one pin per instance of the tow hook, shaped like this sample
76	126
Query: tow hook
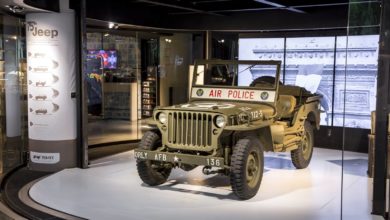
207	170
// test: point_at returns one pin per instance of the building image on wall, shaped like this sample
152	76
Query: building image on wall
345	77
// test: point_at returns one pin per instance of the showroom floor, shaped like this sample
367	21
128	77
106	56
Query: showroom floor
111	189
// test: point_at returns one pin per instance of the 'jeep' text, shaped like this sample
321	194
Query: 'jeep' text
35	31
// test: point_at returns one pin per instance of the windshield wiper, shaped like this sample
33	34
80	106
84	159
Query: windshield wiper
249	67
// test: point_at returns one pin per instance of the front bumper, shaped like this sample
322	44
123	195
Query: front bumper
179	158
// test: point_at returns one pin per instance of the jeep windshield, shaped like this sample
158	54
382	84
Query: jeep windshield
255	81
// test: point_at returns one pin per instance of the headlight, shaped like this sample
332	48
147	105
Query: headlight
220	121
162	117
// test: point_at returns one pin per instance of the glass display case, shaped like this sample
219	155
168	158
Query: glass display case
13	93
150	91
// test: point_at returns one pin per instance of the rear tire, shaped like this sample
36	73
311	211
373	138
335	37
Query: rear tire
152	173
247	164
301	156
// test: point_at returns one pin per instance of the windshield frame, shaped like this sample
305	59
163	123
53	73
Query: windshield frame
197	63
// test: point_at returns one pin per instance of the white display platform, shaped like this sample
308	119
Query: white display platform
111	189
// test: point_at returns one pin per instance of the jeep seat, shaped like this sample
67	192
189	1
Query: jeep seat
285	106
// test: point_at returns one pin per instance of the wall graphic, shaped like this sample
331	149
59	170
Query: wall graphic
51	76
310	63
252	49
359	66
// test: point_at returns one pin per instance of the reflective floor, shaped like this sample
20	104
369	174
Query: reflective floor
111	189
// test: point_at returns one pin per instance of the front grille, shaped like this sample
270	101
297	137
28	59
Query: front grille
190	129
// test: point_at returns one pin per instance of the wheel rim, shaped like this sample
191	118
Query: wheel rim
252	169
306	146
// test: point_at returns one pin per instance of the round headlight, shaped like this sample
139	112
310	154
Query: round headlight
162	117
220	121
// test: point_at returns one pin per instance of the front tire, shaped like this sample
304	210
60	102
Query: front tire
301	156
152	173
247	164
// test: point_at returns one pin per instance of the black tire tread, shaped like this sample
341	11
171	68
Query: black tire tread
297	158
237	174
145	172
262	79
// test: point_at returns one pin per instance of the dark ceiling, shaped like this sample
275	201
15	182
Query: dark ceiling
227	15
223	14
229	7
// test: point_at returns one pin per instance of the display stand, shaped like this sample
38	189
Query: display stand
149	92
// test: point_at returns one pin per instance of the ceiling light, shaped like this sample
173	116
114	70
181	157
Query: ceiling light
110	25
15	8
106	34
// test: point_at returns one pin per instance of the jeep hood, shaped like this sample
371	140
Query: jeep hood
225	108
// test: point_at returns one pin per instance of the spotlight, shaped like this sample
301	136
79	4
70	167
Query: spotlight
15	8
110	25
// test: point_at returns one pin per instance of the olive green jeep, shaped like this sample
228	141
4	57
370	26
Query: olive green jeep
226	127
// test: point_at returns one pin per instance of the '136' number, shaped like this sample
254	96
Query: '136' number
213	162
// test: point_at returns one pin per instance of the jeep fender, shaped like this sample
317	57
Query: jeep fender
263	134
309	112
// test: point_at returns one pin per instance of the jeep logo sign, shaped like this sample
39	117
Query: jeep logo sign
33	28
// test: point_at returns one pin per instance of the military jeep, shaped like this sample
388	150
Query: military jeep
227	125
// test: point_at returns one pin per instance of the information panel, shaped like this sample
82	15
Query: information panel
51	76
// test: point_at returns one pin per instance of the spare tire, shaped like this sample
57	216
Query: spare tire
264	80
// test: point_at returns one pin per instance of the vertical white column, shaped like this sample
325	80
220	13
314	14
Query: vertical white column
51	83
